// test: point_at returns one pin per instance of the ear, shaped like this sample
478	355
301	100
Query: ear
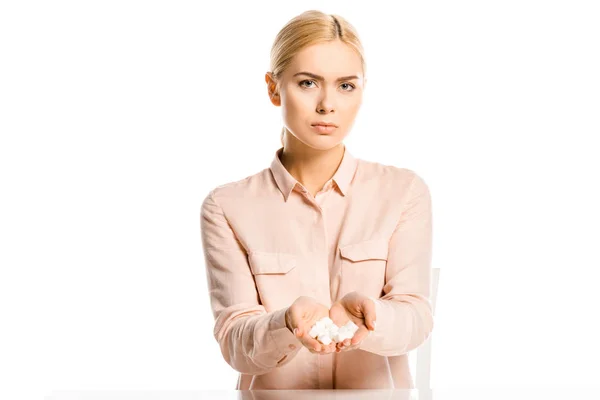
271	86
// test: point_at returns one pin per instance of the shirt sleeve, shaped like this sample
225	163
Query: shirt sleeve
252	340
404	317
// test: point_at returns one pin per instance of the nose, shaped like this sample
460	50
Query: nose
325	105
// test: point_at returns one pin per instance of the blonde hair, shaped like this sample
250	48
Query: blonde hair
309	28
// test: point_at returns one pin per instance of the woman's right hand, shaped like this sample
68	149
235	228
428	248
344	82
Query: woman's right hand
301	316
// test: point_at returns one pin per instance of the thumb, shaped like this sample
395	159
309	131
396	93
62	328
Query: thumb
368	307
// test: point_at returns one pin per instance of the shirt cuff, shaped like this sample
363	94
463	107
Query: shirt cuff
285	341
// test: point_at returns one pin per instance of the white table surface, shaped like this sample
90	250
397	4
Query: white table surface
577	393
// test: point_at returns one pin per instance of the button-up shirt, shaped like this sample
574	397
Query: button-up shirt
267	241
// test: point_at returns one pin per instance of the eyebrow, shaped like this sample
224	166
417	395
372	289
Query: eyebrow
343	78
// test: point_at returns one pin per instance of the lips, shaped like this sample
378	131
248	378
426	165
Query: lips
324	124
323	128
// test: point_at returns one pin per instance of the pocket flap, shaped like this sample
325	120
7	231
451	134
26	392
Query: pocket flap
271	263
366	250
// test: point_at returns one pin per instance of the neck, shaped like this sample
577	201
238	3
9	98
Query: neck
311	167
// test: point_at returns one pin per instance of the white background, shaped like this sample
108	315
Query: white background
118	117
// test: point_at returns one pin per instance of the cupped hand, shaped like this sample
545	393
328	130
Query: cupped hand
301	316
359	309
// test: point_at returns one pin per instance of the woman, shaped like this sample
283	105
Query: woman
319	234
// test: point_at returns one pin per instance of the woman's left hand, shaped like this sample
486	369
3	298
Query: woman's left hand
357	308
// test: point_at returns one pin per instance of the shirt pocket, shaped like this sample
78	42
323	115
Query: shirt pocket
363	266
276	278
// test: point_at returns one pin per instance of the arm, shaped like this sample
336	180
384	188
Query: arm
252	340
404	317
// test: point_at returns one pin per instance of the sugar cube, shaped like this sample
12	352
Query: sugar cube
326	331
324	338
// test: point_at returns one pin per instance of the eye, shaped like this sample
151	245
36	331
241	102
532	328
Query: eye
308	80
351	85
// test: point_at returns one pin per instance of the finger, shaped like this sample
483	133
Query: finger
360	334
350	348
330	348
311	343
312	349
352	344
368	307
344	345
326	349
323	350
355	340
308	341
319	352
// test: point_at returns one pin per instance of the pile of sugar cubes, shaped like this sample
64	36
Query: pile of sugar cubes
325	331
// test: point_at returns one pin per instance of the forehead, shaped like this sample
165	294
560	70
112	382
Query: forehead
330	60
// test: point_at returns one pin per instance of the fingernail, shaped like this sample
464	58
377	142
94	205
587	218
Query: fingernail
295	331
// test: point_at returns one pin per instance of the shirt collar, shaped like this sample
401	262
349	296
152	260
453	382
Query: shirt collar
342	177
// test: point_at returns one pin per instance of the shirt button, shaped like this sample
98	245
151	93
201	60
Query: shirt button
292	346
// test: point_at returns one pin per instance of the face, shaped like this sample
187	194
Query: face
324	83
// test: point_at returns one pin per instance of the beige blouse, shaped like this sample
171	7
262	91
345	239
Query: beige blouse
267	240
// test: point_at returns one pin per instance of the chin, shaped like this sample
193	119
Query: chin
322	142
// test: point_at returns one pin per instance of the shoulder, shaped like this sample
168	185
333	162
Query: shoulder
385	174
239	189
